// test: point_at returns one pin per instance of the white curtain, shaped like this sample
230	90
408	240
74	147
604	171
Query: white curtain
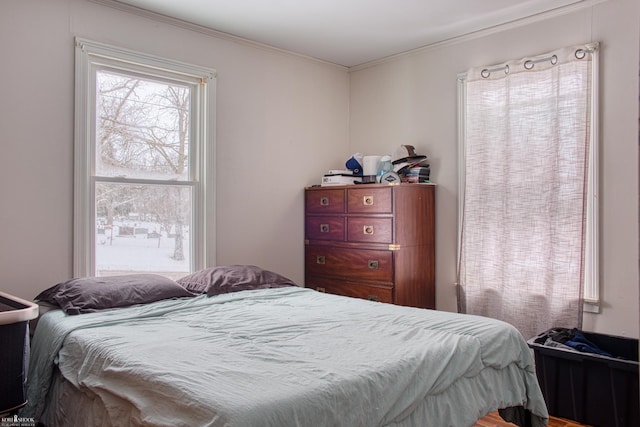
526	141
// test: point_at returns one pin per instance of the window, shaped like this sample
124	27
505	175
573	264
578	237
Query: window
528	189
144	152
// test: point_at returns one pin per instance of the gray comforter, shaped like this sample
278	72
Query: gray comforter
281	357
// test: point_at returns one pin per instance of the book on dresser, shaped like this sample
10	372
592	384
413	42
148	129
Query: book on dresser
373	241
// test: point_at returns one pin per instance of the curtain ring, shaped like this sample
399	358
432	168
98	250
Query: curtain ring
554	60
580	53
485	73
528	64
506	69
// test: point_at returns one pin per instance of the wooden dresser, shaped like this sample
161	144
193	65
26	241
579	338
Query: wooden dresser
372	241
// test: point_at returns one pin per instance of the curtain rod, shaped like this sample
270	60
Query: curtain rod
528	64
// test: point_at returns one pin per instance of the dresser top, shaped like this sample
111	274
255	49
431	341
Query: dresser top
402	184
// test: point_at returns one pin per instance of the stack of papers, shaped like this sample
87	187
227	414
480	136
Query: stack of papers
339	177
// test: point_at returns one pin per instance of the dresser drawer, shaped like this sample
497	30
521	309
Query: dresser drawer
370	230
351	289
369	200
324	228
324	201
361	264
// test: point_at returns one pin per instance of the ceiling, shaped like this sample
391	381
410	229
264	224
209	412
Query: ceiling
349	32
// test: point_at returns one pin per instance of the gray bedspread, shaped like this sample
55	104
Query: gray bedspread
282	357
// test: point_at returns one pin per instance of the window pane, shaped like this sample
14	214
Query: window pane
143	228
142	127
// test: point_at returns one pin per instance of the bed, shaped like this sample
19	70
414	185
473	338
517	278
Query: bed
277	355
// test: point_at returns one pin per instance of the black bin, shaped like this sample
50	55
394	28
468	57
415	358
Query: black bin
15	314
590	388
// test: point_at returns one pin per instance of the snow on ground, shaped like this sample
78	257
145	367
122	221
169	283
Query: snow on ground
140	254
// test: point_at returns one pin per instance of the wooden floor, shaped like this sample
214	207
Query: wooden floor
494	420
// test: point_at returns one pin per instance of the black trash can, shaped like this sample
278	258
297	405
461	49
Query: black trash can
15	314
590	388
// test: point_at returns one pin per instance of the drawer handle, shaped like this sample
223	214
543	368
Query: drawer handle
324	201
372	297
320	259
324	228
367	200
368	230
373	265
319	289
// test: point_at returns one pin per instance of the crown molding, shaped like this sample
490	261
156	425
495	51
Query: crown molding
563	10
115	4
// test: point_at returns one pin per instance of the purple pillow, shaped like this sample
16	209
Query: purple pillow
232	278
90	294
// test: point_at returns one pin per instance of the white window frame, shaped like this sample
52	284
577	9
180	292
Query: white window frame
91	56
591	284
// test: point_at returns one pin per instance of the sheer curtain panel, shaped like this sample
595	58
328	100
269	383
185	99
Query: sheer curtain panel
526	133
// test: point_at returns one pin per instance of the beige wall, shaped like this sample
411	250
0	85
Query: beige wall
411	99
281	120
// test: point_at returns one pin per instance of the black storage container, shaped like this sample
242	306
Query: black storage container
590	388
15	314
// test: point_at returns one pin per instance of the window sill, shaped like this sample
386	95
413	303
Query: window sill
591	306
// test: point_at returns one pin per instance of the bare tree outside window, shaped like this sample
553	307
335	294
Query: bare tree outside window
142	136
